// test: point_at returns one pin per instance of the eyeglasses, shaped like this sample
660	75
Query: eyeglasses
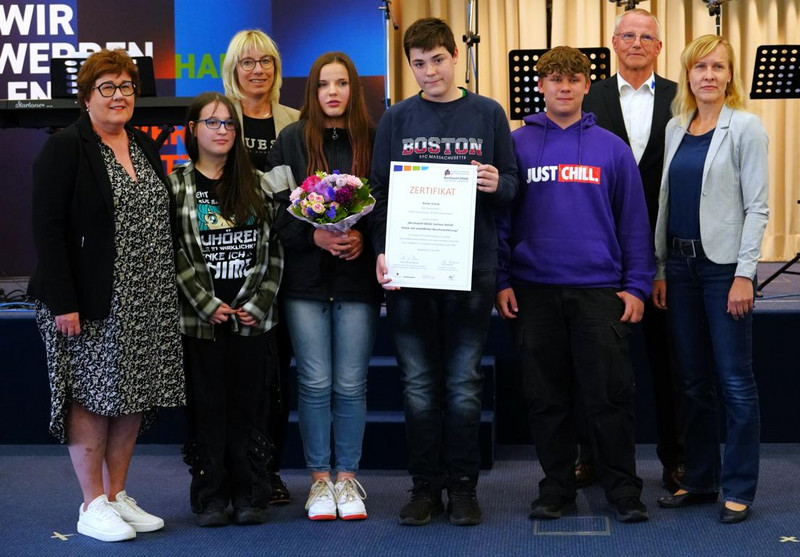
630	37
215	123
108	89
247	64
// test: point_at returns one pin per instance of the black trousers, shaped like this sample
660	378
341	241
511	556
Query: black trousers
228	450
667	394
572	344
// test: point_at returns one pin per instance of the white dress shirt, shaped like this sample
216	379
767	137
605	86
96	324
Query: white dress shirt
637	111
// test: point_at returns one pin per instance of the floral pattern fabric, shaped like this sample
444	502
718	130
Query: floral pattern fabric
132	361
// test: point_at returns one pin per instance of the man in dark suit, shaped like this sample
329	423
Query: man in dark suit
635	105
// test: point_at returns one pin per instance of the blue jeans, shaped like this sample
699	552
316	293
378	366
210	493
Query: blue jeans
439	337
708	339
332	346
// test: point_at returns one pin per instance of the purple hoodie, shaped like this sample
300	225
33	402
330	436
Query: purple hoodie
579	218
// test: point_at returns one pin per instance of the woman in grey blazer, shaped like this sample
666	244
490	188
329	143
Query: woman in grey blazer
712	216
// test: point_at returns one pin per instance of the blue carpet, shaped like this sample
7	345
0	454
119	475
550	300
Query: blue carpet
40	497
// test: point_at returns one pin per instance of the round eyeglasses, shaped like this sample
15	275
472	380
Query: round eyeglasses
108	89
267	62
215	123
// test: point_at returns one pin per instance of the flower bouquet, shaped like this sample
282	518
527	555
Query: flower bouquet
332	202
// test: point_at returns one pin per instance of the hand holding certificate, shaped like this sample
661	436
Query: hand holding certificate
430	225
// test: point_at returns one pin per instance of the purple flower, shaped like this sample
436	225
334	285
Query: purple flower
331	213
344	196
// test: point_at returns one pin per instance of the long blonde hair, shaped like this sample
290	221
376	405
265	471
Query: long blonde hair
684	104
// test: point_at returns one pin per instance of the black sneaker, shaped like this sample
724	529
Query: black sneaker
278	492
552	506
212	517
249	515
424	503
630	509
462	502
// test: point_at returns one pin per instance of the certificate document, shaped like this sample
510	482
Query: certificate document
431	225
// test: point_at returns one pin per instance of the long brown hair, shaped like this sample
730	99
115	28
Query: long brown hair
237	190
356	118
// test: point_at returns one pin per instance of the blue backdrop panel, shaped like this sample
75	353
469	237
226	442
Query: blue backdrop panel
203	29
304	29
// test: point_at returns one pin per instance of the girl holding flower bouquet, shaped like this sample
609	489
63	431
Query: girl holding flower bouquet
229	267
331	298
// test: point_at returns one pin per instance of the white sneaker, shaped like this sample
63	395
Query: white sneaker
321	504
133	514
102	522
349	499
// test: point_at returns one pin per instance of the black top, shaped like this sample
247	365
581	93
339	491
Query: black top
229	248
259	137
73	221
311	272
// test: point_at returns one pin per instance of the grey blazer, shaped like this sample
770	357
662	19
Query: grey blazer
735	188
282	115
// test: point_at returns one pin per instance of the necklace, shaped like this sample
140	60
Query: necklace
335	135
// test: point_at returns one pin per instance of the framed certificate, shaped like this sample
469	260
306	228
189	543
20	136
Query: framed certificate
430	226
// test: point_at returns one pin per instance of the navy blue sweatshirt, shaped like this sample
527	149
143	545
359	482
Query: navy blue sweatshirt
457	132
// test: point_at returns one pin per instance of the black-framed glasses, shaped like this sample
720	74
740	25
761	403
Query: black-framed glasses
215	123
267	62
107	89
629	37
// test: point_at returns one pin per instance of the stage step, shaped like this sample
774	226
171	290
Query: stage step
385	442
384	384
26	402
384	435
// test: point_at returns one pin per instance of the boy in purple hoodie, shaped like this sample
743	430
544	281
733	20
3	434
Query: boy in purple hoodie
575	266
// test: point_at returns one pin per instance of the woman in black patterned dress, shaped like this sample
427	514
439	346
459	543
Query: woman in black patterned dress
105	288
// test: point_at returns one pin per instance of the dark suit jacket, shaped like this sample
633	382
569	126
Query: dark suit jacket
603	101
73	221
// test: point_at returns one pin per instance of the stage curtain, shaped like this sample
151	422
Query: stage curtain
506	25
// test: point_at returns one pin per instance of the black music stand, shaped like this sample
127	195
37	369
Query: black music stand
64	83
776	75
524	96
64	76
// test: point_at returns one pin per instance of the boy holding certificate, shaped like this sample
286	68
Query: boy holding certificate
440	334
576	264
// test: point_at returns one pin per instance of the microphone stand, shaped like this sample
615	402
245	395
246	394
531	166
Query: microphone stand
714	9
472	39
391	23
629	4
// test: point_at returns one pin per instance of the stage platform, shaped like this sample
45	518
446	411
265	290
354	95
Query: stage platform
24	393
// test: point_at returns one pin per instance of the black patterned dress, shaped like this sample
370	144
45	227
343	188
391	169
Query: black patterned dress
131	361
